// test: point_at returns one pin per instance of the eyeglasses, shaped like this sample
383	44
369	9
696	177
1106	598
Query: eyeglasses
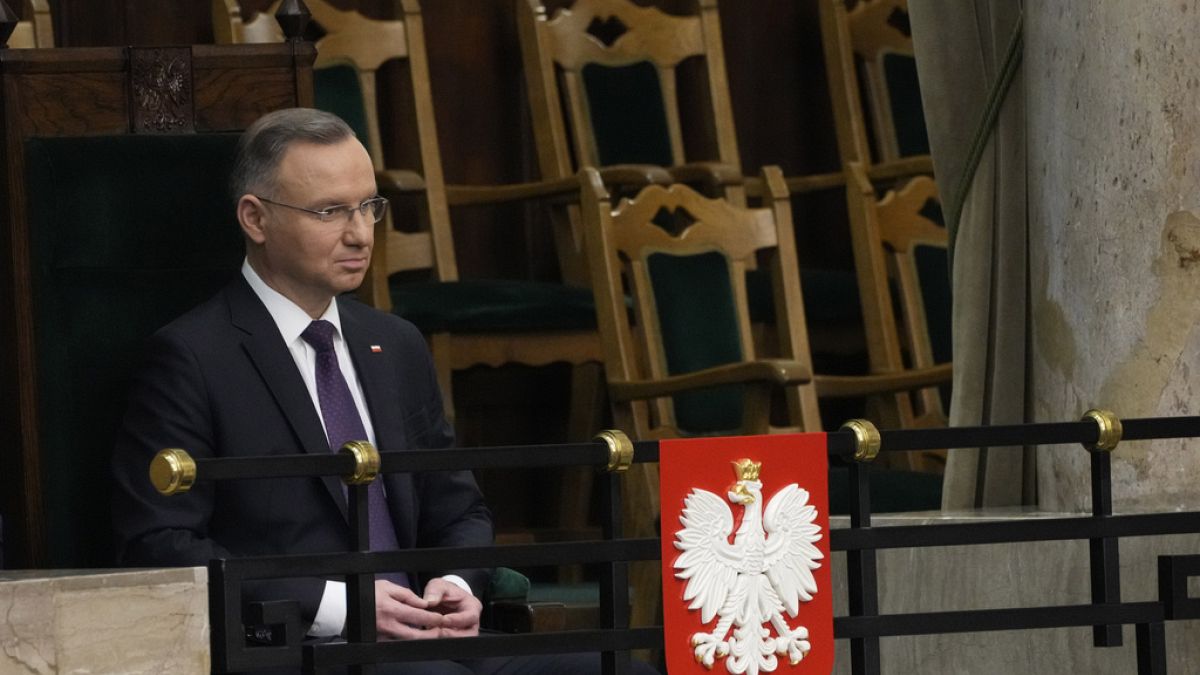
374	207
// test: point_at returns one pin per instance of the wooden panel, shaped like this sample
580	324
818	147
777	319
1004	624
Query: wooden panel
56	103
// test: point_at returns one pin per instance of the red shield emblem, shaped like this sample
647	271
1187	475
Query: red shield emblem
745	536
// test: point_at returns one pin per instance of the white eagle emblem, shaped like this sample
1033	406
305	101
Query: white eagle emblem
768	568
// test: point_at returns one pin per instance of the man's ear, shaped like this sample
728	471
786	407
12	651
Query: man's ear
252	215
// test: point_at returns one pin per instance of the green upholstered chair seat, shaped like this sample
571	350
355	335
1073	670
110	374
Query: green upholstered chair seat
493	305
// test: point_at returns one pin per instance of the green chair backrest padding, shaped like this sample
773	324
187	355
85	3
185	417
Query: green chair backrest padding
699	325
908	116
629	118
127	232
336	89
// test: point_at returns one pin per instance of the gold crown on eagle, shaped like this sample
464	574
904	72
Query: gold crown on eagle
746	468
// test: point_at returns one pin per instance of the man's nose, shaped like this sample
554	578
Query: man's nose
360	229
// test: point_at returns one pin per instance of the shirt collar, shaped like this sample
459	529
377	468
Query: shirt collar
289	318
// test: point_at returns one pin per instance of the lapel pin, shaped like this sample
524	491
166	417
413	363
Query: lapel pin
376	349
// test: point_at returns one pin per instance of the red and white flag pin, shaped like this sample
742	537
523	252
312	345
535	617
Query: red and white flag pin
376	349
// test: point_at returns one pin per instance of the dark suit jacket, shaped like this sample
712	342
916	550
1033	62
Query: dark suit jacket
220	382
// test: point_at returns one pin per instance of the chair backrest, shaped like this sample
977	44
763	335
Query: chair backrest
610	82
116	219
900	256
869	51
683	258
350	51
37	30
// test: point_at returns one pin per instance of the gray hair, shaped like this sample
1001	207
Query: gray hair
262	146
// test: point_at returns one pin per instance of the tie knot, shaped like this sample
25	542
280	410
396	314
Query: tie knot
319	334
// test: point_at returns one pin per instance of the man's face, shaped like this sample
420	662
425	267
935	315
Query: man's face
305	259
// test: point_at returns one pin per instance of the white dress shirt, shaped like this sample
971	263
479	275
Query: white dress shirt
291	321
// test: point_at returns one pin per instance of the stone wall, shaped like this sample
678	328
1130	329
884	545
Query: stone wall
1113	123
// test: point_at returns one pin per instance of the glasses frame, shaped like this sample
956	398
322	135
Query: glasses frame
329	215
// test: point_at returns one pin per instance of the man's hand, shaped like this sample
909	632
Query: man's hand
401	614
459	609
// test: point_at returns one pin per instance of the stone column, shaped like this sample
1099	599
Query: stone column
1113	120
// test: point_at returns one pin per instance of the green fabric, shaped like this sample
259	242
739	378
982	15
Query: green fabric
908	118
493	305
629	119
508	584
126	234
891	491
336	89
698	320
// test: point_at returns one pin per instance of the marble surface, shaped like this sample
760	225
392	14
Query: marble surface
127	621
1011	575
1114	235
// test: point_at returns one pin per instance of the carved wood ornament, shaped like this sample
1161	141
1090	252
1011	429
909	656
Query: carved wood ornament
161	89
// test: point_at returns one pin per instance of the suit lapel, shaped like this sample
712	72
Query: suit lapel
266	349
374	375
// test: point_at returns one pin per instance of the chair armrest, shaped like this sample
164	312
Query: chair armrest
472	195
776	372
798	185
883	383
712	174
394	183
635	175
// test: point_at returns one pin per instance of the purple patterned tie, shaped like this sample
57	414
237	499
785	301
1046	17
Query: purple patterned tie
342	424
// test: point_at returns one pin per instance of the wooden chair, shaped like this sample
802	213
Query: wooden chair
604	80
37	30
900	251
115	220
869	51
906	313
686	364
468	322
634	90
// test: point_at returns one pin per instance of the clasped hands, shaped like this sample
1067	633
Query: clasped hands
445	610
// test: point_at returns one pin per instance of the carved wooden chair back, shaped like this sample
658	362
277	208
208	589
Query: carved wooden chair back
607	87
869	52
683	258
900	253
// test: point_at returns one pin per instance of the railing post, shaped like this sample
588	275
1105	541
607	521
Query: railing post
862	578
1103	552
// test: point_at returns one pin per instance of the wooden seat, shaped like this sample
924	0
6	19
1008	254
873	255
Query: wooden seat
116	220
686	365
468	322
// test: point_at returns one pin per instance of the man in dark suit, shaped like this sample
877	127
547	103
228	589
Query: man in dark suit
281	362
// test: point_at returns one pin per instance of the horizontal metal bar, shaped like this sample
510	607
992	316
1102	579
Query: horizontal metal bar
342	654
419	559
596	454
1042	433
1008	532
984	620
335	464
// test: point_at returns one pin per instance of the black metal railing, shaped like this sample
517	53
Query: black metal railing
863	626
